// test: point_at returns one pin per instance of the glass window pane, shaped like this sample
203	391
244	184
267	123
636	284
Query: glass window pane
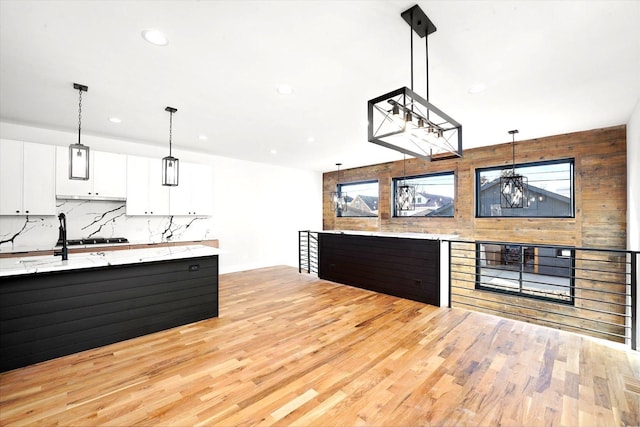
361	199
549	192
434	195
532	271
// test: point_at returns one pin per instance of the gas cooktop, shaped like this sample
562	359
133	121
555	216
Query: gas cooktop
94	241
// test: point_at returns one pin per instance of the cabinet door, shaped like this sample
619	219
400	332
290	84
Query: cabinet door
202	190
109	174
10	177
66	187
158	193
137	185
39	192
180	196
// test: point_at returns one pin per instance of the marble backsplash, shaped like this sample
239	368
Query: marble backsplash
96	218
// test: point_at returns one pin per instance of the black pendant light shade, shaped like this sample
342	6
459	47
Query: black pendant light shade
78	153
404	121
338	198
513	187
170	165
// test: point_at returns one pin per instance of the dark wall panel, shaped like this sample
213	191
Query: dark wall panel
407	268
48	315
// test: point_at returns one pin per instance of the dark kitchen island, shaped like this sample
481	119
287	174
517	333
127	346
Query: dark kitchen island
51	308
406	265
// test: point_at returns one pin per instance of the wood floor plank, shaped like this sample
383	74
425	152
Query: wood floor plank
290	349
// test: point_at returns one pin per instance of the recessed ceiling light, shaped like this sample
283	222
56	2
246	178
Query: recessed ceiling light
202	137
274	151
155	37
115	120
285	90
311	140
477	88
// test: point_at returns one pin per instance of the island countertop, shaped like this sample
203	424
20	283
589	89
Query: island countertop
41	264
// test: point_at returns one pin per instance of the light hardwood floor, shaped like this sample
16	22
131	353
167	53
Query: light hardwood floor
290	349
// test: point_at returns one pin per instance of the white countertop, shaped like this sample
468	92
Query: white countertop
41	264
36	248
426	236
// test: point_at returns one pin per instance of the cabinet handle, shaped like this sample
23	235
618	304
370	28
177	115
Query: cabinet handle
17	211
26	211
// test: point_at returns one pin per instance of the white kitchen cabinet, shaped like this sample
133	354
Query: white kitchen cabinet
202	190
27	177
193	194
145	193
107	176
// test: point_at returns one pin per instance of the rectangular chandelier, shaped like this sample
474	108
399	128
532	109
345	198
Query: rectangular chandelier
404	121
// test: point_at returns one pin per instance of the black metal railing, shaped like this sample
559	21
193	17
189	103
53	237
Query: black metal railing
585	290
308	251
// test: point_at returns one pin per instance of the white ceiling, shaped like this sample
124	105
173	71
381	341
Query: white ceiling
550	67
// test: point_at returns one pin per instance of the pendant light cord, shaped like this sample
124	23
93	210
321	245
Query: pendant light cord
404	168
411	44
170	130
513	160
79	114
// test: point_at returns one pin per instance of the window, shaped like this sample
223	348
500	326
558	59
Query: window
549	192
541	272
361	197
434	195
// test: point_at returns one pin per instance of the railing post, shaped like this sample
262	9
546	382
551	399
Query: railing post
299	251
308	251
634	300
450	261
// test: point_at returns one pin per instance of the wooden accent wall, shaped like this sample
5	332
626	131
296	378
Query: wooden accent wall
600	193
600	205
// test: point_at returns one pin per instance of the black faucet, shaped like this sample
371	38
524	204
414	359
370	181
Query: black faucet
62	237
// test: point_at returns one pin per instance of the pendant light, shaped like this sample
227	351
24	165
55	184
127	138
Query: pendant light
170	163
338	198
513	187
405	194
78	153
404	121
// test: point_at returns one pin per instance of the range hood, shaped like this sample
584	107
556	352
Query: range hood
90	197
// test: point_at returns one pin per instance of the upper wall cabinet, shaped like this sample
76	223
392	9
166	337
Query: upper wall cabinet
27	177
145	193
193	195
107	177
147	196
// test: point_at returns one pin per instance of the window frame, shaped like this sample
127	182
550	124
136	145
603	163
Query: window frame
571	297
570	161
396	180
340	187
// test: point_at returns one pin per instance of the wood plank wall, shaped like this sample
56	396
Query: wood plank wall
600	197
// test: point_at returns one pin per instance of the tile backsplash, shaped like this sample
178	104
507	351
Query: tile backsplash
96	218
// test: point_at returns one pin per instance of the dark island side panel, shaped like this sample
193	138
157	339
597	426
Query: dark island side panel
48	315
406	268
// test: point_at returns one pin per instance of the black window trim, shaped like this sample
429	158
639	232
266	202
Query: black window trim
518	293
570	160
394	181
368	181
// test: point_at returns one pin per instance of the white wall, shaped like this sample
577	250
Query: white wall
258	208
633	194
